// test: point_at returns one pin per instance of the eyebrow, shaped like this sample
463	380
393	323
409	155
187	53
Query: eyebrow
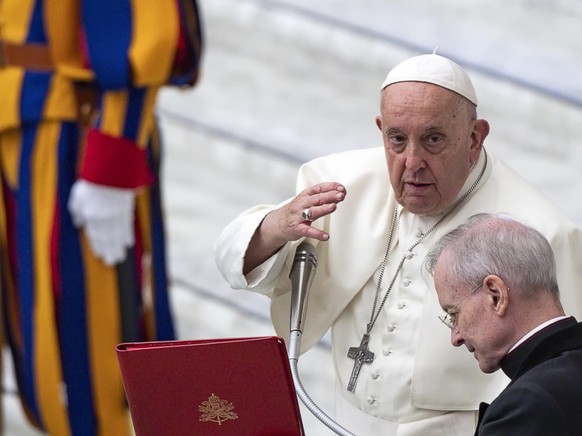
425	131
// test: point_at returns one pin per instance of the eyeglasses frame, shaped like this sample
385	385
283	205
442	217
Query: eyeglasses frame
447	319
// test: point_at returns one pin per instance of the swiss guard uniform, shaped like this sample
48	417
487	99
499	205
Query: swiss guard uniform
78	86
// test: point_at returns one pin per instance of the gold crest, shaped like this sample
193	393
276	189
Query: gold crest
216	410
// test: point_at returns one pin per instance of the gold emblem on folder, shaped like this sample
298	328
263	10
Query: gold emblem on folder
216	410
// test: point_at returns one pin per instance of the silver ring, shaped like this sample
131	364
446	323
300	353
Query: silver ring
306	215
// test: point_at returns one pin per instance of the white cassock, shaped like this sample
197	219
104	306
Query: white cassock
417	377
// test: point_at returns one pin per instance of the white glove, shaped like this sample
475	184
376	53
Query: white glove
107	215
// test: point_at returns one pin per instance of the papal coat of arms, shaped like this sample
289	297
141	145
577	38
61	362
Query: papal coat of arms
216	410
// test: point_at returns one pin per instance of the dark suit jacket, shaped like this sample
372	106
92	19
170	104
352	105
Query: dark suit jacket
544	396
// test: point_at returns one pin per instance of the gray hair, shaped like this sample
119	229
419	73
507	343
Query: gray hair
496	244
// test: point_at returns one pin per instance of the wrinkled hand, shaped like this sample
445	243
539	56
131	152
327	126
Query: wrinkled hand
106	214
318	201
287	223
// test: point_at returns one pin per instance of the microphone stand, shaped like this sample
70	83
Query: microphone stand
301	275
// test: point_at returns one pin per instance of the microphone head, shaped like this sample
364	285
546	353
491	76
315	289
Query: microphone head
305	253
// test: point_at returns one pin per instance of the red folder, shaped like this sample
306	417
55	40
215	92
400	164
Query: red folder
235	386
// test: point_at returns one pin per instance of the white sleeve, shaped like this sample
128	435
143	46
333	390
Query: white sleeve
231	247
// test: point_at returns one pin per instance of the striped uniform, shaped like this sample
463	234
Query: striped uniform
63	310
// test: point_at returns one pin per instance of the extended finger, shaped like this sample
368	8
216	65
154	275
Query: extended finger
326	192
318	200
309	231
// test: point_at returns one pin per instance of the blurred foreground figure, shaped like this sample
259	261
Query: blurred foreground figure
372	215
83	256
496	281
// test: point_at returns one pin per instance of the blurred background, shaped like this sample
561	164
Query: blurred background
284	81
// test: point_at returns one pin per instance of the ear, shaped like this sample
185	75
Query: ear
379	122
498	294
480	132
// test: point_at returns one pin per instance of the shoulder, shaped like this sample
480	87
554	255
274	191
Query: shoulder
506	191
561	376
554	384
537	403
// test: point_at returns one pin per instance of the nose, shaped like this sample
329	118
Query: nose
414	156
456	338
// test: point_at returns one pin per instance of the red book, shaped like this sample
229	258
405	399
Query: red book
235	386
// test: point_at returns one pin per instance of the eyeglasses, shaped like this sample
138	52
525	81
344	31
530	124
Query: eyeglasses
450	319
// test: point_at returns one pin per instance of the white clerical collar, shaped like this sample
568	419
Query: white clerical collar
535	330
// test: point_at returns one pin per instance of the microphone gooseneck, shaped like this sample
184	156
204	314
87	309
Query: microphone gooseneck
301	276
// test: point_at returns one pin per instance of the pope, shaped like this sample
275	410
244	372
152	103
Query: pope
372	215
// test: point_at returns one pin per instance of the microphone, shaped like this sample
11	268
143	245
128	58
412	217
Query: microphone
301	276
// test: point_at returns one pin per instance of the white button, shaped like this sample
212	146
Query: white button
418	233
375	375
401	305
371	400
391	327
386	351
406	282
409	254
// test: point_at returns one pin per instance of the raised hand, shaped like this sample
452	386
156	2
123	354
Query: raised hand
292	221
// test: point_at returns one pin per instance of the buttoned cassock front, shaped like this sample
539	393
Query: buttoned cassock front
416	372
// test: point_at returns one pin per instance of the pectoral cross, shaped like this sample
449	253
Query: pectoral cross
360	355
